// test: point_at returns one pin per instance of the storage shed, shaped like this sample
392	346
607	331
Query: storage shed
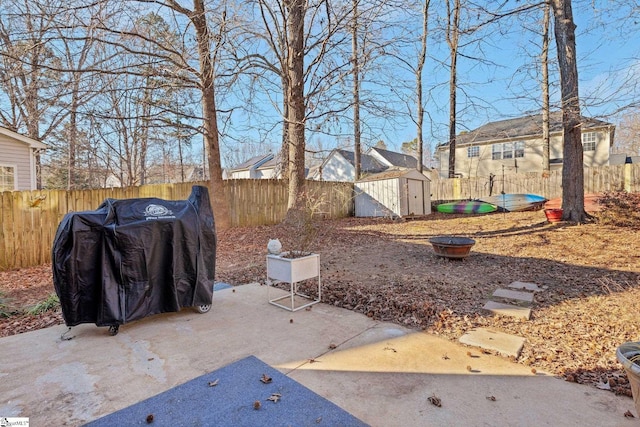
393	193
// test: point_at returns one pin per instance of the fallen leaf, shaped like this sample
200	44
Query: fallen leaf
435	401
628	414
274	397
257	405
214	383
333	346
603	386
266	379
149	418
491	398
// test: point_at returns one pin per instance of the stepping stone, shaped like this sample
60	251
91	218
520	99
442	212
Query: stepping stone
523	285
508	309
506	344
514	295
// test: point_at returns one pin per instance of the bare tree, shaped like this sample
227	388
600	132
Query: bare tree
355	71
628	134
422	56
544	64
453	39
296	114
181	70
572	169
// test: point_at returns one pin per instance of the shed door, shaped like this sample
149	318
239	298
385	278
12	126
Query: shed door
415	196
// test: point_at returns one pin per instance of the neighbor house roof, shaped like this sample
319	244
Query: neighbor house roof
397	159
271	163
521	127
29	141
368	164
253	162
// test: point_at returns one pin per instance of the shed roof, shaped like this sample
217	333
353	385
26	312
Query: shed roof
393	174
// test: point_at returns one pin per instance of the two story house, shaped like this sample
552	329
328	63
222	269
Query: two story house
515	146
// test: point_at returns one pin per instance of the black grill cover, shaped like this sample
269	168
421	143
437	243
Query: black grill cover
135	257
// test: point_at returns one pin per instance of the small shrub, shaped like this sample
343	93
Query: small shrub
620	209
52	303
5	311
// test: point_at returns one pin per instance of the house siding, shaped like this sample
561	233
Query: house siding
484	165
338	168
17	154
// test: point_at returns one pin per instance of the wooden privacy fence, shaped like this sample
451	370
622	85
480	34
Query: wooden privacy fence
30	219
596	180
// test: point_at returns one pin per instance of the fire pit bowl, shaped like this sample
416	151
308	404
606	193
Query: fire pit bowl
452	246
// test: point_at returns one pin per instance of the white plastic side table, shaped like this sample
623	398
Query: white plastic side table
281	269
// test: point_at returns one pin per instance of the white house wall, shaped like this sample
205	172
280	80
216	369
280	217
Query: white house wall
484	165
18	155
337	168
245	174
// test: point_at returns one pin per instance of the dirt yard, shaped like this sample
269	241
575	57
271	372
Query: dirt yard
387	270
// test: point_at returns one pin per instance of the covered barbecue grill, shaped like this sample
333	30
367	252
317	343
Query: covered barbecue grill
132	258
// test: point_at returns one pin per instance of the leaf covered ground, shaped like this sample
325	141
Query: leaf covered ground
387	270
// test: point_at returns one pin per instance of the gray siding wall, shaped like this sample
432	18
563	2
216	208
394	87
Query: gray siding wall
17	154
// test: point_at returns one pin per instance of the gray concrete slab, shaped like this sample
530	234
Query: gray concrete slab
513	295
508	309
380	372
506	344
526	286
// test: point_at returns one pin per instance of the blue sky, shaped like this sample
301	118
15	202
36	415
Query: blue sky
608	55
608	68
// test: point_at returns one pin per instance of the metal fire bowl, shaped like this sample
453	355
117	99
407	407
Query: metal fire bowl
452	246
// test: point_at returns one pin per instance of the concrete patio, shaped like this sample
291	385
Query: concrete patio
380	372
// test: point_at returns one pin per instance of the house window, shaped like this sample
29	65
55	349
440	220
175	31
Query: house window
473	151
7	178
518	149
589	141
496	151
507	150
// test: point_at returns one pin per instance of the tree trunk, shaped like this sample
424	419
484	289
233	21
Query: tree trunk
572	169
219	200
422	56
295	100
284	150
453	32
355	70
544	62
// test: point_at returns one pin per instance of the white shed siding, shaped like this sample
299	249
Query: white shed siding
406	193
383	199
17	154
